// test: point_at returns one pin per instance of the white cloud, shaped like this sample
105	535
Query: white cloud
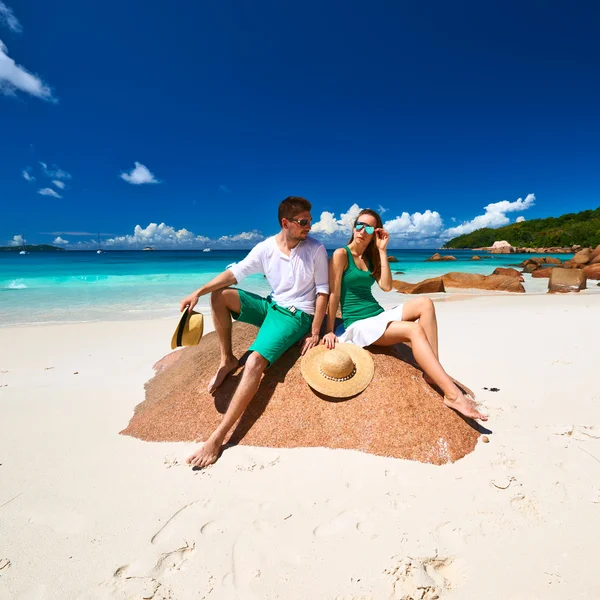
246	237
329	225
59	184
418	225
14	77
163	236
138	175
59	241
27	175
49	192
519	219
16	241
158	235
54	172
494	216
7	17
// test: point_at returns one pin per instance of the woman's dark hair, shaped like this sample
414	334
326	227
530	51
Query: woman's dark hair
372	254
292	206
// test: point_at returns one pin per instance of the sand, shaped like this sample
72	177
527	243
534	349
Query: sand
88	513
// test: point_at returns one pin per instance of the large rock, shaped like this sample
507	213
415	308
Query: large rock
483	282
427	286
438	256
550	260
571	264
566	280
530	267
542	272
592	271
583	257
392	259
510	272
595	259
595	253
502	247
398	414
475	257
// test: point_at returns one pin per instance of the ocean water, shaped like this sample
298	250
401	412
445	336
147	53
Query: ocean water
49	287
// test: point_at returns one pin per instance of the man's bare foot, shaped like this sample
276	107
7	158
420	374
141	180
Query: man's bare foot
464	406
224	369
206	454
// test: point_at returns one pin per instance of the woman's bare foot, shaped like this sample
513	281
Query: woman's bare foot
206	454
224	369
465	406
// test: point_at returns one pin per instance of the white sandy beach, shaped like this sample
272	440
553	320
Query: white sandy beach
87	513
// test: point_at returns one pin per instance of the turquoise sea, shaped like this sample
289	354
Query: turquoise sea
49	287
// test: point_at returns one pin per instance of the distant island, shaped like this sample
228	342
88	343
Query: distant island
32	248
573	229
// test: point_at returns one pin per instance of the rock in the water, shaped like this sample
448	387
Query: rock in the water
438	256
592	271
427	286
583	257
483	282
392	259
475	257
566	280
398	414
530	268
542	272
502	247
510	272
398	272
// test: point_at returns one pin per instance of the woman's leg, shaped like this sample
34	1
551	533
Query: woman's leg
406	331
423	310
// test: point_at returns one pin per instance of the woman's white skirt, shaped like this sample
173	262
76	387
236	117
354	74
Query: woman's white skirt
366	331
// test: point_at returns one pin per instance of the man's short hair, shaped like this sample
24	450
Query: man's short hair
292	206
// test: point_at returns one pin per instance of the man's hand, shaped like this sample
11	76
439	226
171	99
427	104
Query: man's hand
189	302
330	340
310	341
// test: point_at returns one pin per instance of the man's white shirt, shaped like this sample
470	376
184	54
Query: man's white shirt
295	279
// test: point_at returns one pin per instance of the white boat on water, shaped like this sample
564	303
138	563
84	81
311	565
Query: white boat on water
99	251
206	250
23	251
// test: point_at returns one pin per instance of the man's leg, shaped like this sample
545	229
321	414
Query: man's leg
423	310
208	452
223	302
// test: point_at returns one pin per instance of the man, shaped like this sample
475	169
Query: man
296	267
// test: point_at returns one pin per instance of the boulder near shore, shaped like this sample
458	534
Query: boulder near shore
398	415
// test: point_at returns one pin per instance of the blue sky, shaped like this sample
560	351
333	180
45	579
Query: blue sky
192	120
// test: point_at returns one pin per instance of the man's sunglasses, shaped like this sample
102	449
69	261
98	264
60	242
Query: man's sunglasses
368	228
302	222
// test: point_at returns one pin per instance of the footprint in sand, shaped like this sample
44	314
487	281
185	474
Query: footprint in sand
346	521
171	562
423	578
177	528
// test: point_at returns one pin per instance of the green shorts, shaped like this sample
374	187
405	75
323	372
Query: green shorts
279	329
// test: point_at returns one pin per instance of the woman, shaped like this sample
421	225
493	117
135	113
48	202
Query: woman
352	272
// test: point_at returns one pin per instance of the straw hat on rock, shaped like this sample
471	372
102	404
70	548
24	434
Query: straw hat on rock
340	373
189	329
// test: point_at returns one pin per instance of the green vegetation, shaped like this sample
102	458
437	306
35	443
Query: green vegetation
581	228
32	248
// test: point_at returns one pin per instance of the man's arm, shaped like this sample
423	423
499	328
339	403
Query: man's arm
223	280
234	274
313	339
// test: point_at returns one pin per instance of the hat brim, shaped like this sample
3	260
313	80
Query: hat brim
189	330
365	369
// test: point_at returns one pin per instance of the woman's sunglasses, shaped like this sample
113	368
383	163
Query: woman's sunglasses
368	228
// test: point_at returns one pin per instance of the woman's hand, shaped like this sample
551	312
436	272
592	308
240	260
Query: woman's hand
189	302
382	237
330	340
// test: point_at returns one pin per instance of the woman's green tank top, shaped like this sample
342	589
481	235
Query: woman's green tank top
356	298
